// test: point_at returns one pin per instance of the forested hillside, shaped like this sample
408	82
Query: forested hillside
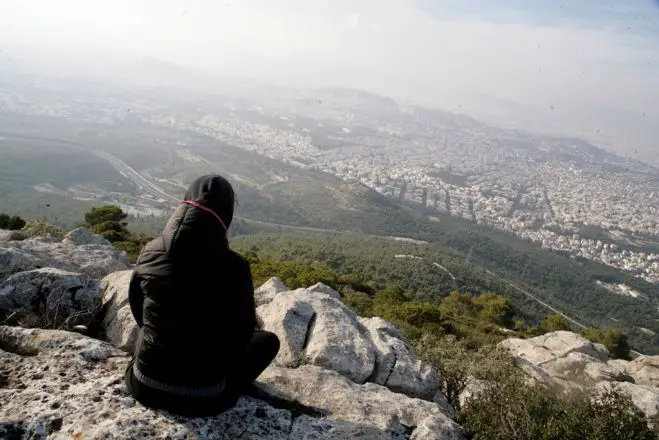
430	272
455	256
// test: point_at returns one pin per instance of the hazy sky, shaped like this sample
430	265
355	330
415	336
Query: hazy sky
586	67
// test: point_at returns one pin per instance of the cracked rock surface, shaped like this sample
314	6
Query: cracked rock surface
54	295
80	251
315	327
571	361
61	385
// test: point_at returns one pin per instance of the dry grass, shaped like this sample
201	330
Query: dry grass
53	319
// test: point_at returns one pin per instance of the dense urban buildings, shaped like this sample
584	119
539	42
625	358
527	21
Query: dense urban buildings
563	194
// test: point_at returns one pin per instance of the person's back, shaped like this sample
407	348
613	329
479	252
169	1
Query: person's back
193	299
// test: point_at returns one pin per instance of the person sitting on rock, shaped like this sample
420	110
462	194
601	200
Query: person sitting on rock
198	346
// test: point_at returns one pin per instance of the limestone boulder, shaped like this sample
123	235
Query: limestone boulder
337	397
12	235
564	358
82	236
61	385
265	293
324	288
397	367
81	251
52	297
571	361
645	370
334	338
645	397
119	325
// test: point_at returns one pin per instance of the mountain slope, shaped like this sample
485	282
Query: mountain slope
431	271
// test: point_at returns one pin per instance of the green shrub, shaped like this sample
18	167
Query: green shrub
42	228
392	294
359	302
108	222
554	322
457	304
614	339
112	231
493	308
513	408
12	223
132	245
103	214
293	275
457	364
414	313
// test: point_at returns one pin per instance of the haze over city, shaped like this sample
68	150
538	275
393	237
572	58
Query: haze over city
575	67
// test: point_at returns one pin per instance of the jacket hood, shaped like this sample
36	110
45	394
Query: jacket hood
215	192
193	234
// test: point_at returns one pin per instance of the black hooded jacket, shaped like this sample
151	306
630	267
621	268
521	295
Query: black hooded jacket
193	297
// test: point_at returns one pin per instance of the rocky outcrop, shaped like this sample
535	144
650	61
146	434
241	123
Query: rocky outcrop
334	338
315	328
52	283
563	357
12	235
64	385
53	296
290	318
397	367
644	370
81	251
268	290
367	404
82	236
324	288
645	397
118	322
546	349
573	362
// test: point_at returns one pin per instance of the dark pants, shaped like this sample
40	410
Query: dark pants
259	355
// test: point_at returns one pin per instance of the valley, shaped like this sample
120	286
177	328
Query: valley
555	224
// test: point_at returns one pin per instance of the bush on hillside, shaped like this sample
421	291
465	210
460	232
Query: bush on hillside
108	222
42	228
293	275
11	223
458	365
614	339
103	214
132	245
457	304
554	322
414	313
494	309
513	408
361	303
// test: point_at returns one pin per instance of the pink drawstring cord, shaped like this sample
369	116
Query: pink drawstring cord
203	208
